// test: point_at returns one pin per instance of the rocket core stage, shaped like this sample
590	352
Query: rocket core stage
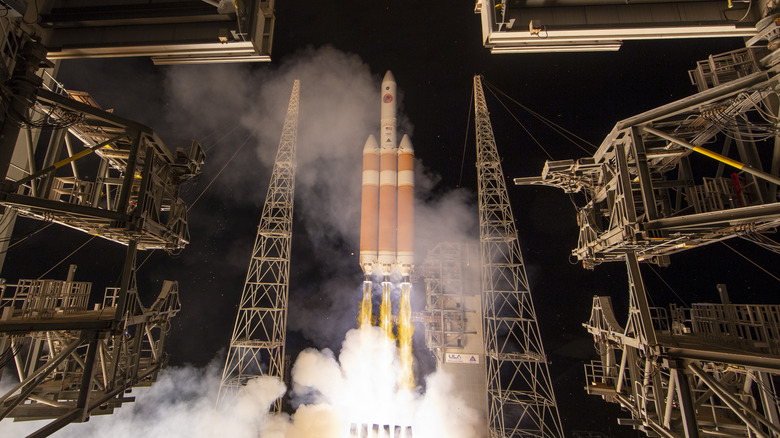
387	226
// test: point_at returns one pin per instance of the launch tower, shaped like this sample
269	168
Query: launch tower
521	401
259	334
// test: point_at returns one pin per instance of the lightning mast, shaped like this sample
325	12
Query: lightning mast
257	344
521	402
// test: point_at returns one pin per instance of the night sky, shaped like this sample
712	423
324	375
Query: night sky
433	49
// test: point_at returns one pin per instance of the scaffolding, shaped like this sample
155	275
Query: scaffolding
73	361
652	190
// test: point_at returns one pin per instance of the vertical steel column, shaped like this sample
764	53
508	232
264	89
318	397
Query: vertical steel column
687	410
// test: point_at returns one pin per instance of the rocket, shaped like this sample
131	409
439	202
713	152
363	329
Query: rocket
387	226
387	207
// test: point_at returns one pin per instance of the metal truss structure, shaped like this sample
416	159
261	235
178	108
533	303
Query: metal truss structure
182	32
134	194
77	356
521	402
710	370
74	361
444	317
652	190
259	334
640	185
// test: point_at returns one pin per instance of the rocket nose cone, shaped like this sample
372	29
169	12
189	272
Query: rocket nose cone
371	143
405	145
388	77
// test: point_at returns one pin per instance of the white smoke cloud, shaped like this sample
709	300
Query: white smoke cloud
331	395
180	404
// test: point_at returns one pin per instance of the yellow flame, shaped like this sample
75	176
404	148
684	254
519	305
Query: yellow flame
405	332
386	311
365	306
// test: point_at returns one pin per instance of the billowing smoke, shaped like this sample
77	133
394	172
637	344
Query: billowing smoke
339	108
179	404
331	397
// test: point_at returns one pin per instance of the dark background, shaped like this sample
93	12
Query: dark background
433	49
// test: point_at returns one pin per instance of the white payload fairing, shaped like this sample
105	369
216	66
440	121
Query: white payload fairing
387	210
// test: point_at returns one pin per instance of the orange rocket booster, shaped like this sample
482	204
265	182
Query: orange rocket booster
405	249
369	209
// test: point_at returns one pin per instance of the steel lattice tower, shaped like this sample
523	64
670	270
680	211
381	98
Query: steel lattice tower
521	402
257	345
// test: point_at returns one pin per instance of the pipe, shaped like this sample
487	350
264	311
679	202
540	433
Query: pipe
714	155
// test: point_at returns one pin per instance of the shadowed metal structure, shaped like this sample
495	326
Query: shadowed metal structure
653	190
72	361
257	344
521	402
76	355
544	26
169	32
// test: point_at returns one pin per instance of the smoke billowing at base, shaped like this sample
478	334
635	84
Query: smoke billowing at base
329	395
338	110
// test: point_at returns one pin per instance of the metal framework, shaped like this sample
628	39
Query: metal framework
444	316
603	25
710	370
74	357
134	191
74	361
257	344
521	401
640	184
180	32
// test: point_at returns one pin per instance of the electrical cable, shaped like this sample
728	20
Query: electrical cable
762	241
10	353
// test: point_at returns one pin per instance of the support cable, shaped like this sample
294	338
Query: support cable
144	261
667	285
521	125
550	124
67	256
465	140
30	234
216	142
246	140
751	261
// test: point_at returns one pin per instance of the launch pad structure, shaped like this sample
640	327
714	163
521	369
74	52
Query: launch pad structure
652	190
258	342
521	400
75	354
